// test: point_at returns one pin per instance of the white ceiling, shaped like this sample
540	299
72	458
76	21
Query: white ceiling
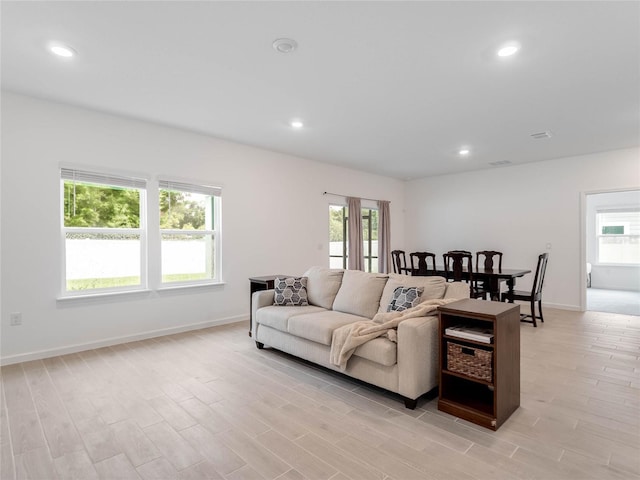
394	88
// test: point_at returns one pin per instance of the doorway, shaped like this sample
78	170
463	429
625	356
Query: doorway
612	252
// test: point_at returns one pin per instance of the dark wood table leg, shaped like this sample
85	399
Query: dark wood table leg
511	282
494	289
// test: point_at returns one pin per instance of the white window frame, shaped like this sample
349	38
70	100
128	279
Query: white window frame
190	186
105	178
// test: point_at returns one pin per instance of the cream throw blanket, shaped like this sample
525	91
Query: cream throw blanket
347	338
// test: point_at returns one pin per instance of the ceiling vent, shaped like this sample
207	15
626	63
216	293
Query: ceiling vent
500	163
540	135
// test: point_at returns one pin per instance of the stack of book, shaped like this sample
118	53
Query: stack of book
478	334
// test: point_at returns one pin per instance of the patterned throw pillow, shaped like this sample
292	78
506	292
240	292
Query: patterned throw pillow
290	291
404	298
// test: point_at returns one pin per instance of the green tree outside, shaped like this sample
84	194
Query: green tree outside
336	219
97	206
102	206
182	211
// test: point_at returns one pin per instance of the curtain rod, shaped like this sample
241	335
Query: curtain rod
362	198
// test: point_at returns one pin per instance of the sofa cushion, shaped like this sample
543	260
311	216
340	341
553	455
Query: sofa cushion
457	290
360	293
323	285
404	298
318	327
278	317
290	291
379	350
434	287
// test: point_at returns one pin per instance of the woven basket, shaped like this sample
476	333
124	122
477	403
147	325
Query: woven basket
473	362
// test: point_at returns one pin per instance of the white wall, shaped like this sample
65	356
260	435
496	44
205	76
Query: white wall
519	210
275	220
614	277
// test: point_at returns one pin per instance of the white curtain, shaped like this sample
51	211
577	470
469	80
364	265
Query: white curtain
384	237
356	251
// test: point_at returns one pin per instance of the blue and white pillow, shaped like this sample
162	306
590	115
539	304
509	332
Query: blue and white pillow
404	298
290	291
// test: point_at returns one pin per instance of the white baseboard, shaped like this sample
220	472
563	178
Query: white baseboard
561	306
54	352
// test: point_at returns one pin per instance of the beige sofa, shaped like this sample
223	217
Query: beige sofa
338	297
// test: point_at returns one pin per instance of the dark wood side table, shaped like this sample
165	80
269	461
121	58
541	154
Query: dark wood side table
488	402
257	284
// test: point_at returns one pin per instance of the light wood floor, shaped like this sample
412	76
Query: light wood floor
208	404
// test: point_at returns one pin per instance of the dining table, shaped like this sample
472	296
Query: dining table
491	277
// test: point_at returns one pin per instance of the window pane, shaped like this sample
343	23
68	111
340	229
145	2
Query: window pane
337	240
100	206
619	249
335	262
370	239
336	221
102	260
185	211
619	223
374	265
187	257
619	237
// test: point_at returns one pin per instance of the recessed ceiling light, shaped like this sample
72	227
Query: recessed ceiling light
297	124
62	51
285	45
464	151
508	50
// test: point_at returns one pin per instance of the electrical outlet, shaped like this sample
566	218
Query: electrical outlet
16	318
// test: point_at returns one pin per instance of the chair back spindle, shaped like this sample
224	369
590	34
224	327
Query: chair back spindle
541	269
489	262
454	264
420	263
399	261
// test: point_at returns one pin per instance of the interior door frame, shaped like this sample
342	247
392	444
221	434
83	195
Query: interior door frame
583	237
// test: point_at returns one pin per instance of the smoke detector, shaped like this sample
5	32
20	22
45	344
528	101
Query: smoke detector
284	45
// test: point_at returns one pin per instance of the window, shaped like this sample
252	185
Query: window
618	233
338	237
104	232
189	226
105	235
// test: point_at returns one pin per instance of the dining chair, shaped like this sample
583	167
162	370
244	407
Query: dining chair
488	263
420	265
400	262
535	295
455	262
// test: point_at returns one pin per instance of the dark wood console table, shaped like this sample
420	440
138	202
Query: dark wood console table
257	284
489	400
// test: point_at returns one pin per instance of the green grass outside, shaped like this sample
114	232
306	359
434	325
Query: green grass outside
114	282
184	277
92	283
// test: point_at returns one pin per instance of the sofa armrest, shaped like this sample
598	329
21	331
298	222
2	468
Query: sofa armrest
262	298
417	356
